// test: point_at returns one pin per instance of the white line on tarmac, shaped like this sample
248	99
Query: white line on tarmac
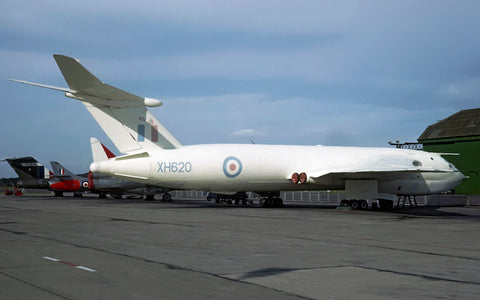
85	268
70	264
50	258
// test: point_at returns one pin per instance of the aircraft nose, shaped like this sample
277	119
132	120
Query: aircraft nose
456	179
460	177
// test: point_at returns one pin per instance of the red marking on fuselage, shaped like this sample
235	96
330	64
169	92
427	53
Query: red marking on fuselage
232	167
66	185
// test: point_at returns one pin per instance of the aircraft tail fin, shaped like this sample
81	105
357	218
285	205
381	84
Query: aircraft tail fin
99	151
59	169
122	115
32	173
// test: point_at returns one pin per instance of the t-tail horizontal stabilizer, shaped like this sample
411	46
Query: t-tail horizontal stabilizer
122	115
80	80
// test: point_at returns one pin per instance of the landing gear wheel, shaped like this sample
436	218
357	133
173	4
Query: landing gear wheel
149	197
270	202
354	204
278	202
363	204
262	202
167	197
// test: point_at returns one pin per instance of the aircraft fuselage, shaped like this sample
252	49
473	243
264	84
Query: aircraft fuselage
243	167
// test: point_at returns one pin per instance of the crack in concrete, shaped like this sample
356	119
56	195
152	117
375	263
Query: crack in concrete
33	285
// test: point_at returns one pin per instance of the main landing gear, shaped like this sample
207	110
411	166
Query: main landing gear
167	197
271	202
240	198
268	200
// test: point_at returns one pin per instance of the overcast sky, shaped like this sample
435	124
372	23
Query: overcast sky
353	73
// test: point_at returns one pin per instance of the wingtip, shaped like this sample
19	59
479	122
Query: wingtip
61	56
14	80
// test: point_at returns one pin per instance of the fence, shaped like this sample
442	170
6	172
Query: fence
309	197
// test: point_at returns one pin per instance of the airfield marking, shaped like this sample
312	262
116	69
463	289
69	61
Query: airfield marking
85	268
70	264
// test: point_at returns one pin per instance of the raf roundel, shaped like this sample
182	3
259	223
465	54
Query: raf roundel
232	167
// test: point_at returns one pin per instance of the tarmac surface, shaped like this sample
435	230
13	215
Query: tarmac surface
86	248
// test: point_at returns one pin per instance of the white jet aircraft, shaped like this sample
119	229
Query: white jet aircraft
154	156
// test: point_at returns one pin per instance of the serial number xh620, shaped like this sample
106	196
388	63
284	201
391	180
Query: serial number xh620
174	167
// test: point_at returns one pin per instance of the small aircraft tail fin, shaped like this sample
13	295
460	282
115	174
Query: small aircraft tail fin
59	169
99	151
32	173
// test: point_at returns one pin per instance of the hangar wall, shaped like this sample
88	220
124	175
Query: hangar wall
459	133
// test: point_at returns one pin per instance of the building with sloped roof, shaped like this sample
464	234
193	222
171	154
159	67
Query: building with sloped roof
458	135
